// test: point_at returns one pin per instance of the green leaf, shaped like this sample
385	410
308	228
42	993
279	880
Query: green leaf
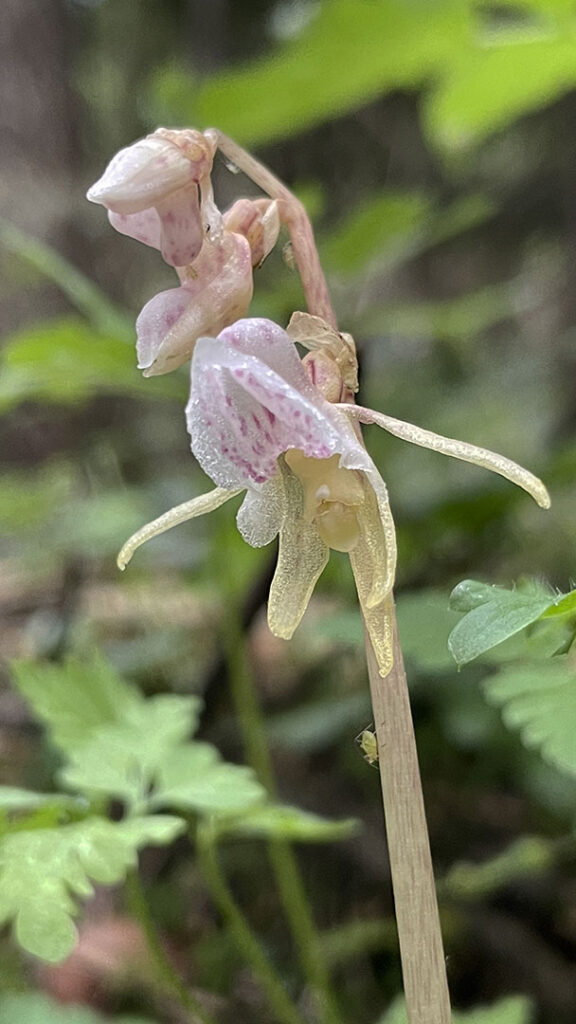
283	822
43	872
370	229
67	360
75	698
530	855
493	614
490	86
14	799
123	758
513	1010
82	292
36	1008
539	700
193	777
351	52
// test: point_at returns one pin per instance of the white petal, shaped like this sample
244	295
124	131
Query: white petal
142	174
262	513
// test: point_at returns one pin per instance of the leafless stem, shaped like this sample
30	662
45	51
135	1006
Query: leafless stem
423	965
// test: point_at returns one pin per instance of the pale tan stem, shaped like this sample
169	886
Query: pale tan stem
422	953
293	214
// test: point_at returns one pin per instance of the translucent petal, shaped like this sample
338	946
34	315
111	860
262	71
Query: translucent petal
379	622
261	514
251	400
456	449
182	227
179	514
301	558
144	226
219	292
373	558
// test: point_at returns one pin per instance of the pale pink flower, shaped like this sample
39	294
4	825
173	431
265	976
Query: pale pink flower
158	191
215	291
258	424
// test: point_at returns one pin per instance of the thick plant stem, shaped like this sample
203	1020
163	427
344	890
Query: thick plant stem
246	942
168	977
282	858
423	963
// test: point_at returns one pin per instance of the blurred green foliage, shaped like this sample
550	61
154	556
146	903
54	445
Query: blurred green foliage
437	141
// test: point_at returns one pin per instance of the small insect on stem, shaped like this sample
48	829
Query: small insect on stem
368	744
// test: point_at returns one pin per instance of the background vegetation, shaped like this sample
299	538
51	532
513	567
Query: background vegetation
434	144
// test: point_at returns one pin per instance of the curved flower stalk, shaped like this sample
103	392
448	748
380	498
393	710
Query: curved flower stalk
258	423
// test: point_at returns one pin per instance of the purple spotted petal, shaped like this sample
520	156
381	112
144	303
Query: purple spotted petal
252	400
145	226
157	320
182	229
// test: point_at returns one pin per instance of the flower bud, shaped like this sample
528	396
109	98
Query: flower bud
259	221
215	292
158	192
148	171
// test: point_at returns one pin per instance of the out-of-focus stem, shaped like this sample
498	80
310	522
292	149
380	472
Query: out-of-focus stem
422	953
293	214
282	857
246	942
168	977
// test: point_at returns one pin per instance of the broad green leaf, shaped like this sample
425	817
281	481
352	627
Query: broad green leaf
283	822
193	777
513	1010
44	872
351	52
67	360
36	1008
122	758
490	86
539	699
74	698
82	292
493	614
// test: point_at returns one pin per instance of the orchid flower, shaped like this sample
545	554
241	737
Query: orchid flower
259	424
159	191
215	290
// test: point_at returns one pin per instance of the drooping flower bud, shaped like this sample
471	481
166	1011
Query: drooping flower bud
215	292
155	189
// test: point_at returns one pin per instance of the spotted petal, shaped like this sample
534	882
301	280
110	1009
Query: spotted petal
252	400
